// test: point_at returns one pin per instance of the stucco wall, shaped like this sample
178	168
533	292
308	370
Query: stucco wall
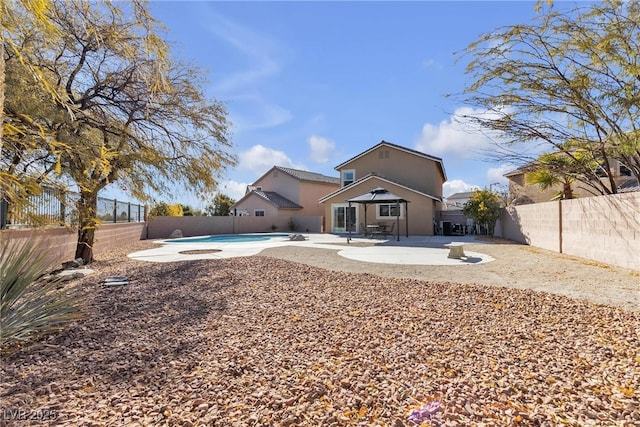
254	202
282	183
407	168
421	209
310	193
603	228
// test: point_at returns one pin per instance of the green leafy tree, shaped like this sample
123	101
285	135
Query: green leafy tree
484	208
221	205
166	209
186	210
30	305
138	116
568	83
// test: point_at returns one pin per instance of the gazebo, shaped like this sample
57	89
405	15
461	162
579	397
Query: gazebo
381	195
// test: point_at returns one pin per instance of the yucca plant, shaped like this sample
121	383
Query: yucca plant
32	304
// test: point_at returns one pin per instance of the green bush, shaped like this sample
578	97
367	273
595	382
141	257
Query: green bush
31	303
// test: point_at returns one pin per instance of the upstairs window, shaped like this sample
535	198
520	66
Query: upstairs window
348	176
258	212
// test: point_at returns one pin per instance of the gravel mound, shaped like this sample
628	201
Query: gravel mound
261	341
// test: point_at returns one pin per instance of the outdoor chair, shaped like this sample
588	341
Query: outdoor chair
389	231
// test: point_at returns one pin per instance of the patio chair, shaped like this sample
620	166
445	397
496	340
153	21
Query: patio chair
389	230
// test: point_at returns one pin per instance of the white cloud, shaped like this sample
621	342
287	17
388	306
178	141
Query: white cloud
233	189
259	159
457	136
497	174
457	186
322	149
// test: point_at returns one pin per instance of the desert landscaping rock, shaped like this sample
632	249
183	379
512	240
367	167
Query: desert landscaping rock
267	341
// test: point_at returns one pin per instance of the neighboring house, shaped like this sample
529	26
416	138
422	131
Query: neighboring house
456	201
412	175
523	193
283	191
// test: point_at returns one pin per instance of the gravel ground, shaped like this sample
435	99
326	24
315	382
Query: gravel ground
266	341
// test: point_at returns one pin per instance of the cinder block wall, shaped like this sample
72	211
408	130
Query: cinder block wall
161	227
603	228
116	235
536	225
59	243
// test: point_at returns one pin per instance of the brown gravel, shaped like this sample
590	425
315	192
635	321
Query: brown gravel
263	341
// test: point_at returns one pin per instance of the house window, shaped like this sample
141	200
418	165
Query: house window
383	154
259	212
348	176
389	210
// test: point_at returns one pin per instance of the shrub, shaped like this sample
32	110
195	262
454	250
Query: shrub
31	304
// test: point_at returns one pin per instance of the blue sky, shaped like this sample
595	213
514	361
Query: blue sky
308	85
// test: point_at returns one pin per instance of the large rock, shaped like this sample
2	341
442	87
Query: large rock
296	237
176	234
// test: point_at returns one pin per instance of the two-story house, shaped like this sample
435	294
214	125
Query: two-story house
522	192
283	191
412	175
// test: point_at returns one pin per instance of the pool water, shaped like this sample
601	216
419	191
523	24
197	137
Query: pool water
228	238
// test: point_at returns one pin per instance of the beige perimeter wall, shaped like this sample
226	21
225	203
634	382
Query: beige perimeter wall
603	228
60	243
161	227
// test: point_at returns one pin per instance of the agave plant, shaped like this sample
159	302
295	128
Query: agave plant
31	303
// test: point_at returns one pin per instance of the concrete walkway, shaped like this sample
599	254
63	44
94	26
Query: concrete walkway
414	250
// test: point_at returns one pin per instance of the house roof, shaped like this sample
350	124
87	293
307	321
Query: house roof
307	176
462	195
382	178
272	197
276	199
438	160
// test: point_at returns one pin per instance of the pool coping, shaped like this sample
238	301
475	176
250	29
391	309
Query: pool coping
412	250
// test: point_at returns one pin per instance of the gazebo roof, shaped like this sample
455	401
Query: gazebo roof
377	195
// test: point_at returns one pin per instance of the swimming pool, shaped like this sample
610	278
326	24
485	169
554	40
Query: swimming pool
228	238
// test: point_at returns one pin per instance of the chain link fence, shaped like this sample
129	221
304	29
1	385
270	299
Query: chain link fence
56	207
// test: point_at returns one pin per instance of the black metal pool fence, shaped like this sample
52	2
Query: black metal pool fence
56	207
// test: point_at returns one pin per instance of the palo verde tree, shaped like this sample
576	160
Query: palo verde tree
21	132
567	83
139	117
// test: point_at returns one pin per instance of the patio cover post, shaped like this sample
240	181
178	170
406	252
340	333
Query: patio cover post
398	220
406	218
347	223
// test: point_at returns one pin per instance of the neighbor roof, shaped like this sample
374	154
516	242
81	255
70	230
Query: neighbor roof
398	147
276	199
308	176
463	195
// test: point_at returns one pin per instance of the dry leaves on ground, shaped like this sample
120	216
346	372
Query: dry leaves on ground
260	341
